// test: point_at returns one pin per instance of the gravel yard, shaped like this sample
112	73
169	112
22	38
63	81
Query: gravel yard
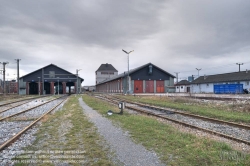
9	129
22	107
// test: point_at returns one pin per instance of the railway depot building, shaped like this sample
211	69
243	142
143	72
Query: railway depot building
145	79
48	80
222	83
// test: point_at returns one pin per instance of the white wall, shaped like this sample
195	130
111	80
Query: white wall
181	89
101	77
209	88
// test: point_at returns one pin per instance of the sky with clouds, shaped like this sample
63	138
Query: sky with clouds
175	35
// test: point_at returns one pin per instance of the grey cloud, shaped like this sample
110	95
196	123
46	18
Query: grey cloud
209	28
104	23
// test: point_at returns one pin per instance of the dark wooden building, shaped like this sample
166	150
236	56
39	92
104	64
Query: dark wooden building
48	80
145	79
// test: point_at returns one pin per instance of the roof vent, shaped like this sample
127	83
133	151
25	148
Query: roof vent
246	71
205	77
106	64
150	69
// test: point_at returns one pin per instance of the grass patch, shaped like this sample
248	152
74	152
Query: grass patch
172	146
68	133
209	110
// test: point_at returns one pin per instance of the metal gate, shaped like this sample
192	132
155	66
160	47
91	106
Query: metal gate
150	86
160	86
138	86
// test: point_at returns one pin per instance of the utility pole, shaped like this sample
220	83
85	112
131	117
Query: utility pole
239	65
77	82
198	71
18	87
177	76
4	63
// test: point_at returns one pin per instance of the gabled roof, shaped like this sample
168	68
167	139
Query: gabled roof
48	66
226	77
183	82
131	72
106	66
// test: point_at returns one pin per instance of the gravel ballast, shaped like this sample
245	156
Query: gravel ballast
127	152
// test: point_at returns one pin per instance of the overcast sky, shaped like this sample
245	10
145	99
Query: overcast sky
175	35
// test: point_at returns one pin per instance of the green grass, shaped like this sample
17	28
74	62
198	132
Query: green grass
172	146
69	130
213	111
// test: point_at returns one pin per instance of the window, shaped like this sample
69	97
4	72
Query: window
107	73
177	87
247	82
51	74
207	84
181	87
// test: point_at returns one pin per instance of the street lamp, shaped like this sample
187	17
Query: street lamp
58	86
128	87
39	86
77	88
198	71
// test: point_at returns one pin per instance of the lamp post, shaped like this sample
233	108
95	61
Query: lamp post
58	86
239	65
198	71
128	85
77	88
39	86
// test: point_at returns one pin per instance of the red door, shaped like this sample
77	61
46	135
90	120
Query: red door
138	86
150	86
160	86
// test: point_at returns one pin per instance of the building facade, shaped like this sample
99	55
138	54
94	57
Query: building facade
50	79
104	72
205	84
145	79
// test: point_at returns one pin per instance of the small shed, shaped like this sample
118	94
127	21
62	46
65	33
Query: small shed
182	87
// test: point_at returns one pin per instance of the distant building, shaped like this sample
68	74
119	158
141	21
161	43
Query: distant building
104	72
11	86
205	84
89	88
182	87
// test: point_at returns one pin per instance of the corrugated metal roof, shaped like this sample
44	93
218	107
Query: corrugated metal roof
106	66
226	77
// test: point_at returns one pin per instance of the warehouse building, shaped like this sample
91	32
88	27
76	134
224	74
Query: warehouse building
228	83
145	79
48	80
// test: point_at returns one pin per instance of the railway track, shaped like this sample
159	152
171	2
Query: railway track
243	126
12	127
218	127
6	106
15	101
10	112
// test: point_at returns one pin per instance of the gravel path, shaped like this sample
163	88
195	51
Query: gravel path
126	150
